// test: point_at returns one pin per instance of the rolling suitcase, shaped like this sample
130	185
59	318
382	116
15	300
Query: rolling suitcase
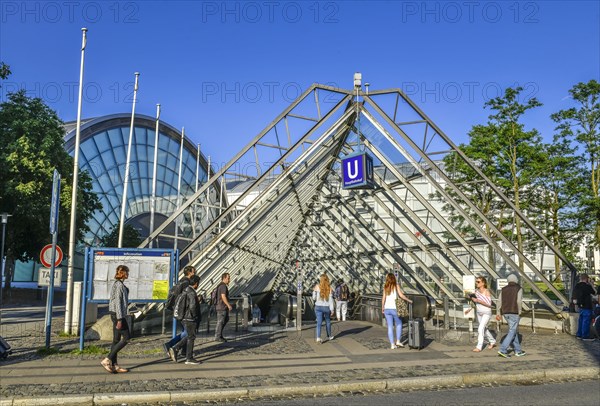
416	330
5	350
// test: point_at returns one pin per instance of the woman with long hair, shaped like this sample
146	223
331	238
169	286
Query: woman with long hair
483	303
391	291
323	298
117	307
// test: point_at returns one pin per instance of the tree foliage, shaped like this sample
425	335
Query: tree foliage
509	156
131	237
32	139
4	70
556	185
580	126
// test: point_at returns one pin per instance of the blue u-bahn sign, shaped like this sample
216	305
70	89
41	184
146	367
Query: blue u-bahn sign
357	171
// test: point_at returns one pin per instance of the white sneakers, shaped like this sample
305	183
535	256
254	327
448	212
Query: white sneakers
393	346
399	344
319	341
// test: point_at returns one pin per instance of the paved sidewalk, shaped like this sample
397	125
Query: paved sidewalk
269	361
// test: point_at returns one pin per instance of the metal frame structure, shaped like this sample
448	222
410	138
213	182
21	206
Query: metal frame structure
289	206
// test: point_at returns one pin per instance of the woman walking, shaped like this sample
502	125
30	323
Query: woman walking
483	303
117	307
391	291
323	298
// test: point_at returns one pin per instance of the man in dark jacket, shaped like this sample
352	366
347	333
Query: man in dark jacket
509	305
188	271
222	307
582	296
190	323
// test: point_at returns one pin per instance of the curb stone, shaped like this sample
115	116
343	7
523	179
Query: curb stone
377	385
215	394
131	397
504	377
53	400
583	372
420	383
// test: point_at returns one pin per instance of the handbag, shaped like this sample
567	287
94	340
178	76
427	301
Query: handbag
401	307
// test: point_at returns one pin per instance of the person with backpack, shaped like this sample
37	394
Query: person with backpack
187	309
583	293
222	306
175	291
342	294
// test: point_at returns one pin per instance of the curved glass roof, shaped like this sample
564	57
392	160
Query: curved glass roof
103	154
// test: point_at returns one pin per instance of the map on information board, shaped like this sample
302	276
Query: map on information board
150	271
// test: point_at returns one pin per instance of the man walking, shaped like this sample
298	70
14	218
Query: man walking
188	272
510	302
190	323
582	295
342	294
222	307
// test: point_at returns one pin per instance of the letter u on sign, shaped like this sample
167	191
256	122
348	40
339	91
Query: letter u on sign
352	175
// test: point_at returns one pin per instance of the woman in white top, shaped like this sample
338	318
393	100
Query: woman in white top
323	297
391	291
483	303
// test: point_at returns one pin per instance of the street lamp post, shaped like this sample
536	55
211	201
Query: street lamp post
4	217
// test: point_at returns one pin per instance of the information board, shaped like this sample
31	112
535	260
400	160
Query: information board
150	271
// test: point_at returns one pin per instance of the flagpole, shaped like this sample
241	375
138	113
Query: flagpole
72	237
179	185
126	180
153	198
195	217
207	189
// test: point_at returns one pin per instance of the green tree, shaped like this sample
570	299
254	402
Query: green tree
560	190
481	150
517	152
131	237
580	125
32	139
4	70
510	157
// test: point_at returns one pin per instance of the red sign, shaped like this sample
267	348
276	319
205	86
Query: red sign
46	256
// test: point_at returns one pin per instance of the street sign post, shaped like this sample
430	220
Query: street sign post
53	256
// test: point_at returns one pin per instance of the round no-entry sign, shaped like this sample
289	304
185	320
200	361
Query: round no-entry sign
46	256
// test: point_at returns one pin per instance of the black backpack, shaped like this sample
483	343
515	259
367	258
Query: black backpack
213	296
344	293
173	293
180	306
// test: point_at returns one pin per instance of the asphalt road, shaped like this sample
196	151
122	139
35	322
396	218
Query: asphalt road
580	393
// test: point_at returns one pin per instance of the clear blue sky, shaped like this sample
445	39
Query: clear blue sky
224	70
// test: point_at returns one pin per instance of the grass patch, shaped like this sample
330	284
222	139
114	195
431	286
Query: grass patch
91	349
557	284
66	335
43	351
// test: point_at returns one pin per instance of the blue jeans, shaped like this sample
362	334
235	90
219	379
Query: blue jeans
512	336
391	317
178	337
323	312
583	327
